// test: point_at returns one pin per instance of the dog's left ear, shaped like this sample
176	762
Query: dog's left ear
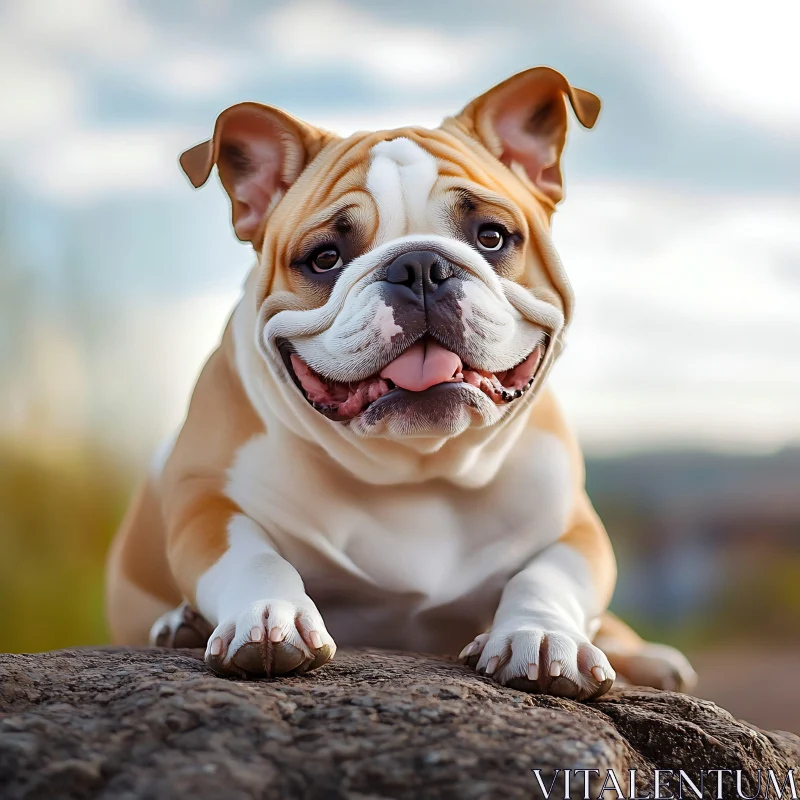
260	152
523	122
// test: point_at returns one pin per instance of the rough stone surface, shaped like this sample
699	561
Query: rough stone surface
116	723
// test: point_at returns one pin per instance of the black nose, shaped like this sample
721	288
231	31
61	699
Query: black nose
420	270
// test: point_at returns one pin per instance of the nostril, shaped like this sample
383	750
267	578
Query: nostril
440	271
403	272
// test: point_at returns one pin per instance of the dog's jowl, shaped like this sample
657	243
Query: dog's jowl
372	455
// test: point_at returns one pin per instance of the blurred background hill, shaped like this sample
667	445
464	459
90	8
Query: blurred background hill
679	232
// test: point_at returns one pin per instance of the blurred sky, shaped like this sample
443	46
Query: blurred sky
681	228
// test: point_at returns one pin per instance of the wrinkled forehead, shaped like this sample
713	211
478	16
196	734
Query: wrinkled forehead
403	181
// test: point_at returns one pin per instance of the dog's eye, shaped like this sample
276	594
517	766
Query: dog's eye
326	259
490	237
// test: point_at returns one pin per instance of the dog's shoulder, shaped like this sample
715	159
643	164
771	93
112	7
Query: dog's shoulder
219	421
548	418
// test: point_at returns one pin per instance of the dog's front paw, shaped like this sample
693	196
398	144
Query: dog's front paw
542	661
271	637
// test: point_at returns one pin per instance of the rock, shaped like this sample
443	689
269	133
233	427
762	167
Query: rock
118	723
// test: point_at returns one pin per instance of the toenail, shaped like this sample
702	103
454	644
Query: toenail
468	650
533	672
492	665
316	640
599	674
216	647
555	669
256	633
276	634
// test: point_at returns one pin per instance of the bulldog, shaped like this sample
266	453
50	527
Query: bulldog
371	456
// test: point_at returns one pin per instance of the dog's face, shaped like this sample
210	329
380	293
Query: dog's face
407	286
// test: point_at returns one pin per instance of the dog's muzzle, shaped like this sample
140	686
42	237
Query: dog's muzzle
425	291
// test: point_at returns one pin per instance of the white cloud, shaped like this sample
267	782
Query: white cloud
389	54
85	164
740	57
107	30
49	53
195	72
39	99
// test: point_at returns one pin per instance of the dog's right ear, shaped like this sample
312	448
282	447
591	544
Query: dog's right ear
259	151
523	122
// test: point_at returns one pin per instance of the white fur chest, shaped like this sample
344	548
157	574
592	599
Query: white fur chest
427	544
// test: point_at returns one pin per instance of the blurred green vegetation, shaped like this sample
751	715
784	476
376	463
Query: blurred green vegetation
58	512
62	494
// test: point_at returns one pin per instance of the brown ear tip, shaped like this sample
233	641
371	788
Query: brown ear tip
196	163
587	107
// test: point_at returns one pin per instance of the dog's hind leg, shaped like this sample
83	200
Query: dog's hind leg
139	584
643	663
181	627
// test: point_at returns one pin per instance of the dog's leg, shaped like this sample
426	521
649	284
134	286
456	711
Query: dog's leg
262	622
139	584
222	562
541	637
643	663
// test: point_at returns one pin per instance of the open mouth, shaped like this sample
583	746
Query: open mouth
422	366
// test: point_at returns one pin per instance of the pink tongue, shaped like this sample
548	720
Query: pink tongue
423	365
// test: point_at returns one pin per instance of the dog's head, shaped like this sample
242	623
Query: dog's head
407	286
